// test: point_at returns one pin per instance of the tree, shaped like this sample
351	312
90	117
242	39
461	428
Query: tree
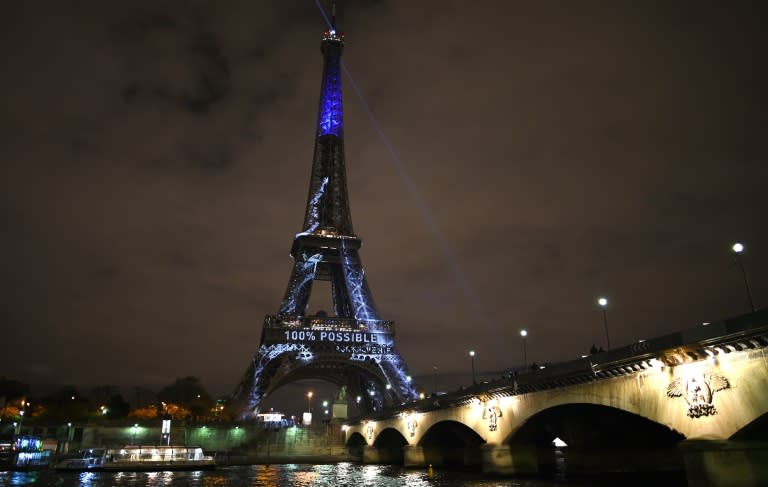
183	391
10	413
117	407
66	404
101	394
12	389
176	412
149	412
188	393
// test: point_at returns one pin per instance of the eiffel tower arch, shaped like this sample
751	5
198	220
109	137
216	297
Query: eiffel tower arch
355	347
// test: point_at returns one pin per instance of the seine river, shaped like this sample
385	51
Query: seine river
294	475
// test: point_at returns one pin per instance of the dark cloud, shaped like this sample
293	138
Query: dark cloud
156	158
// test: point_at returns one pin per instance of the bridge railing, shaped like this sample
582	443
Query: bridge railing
740	333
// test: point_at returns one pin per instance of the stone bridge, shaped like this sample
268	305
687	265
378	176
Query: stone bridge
693	401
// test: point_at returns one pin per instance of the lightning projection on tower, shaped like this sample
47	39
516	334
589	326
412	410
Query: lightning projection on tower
304	273
354	276
314	203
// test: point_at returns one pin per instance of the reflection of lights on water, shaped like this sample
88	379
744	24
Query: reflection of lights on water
371	471
18	478
303	477
87	478
343	474
264	475
416	479
167	477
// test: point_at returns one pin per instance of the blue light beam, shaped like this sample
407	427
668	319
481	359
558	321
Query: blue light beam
461	277
424	211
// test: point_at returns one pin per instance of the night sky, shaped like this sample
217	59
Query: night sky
156	160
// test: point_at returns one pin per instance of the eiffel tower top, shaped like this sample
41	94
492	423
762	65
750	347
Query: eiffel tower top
327	213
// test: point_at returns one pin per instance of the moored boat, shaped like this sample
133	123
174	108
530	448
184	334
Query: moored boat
139	458
24	453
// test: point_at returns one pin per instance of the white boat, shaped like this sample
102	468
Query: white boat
139	458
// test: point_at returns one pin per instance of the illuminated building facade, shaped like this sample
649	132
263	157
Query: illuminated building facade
355	347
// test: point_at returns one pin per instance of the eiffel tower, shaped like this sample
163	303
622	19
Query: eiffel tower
355	348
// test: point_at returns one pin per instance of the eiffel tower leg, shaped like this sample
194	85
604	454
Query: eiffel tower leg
247	396
299	288
357	286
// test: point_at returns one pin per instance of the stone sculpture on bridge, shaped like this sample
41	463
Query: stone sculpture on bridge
698	390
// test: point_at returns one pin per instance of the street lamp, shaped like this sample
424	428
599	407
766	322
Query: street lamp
434	382
135	429
603	302
523	334
309	401
472	356
739	248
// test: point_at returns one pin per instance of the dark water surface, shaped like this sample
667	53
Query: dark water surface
300	475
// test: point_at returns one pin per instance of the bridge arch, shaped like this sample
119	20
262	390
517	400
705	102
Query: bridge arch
356	444
451	442
595	437
757	430
389	444
335	370
585	424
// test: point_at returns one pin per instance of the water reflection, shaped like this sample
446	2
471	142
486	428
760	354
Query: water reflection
298	475
87	478
18	478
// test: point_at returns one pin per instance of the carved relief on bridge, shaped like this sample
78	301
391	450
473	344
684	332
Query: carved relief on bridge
411	423
491	412
698	389
369	430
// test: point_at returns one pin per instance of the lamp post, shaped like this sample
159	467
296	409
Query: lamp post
523	334
65	447
24	405
472	358
739	248
309	401
434	381
603	302
133	436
